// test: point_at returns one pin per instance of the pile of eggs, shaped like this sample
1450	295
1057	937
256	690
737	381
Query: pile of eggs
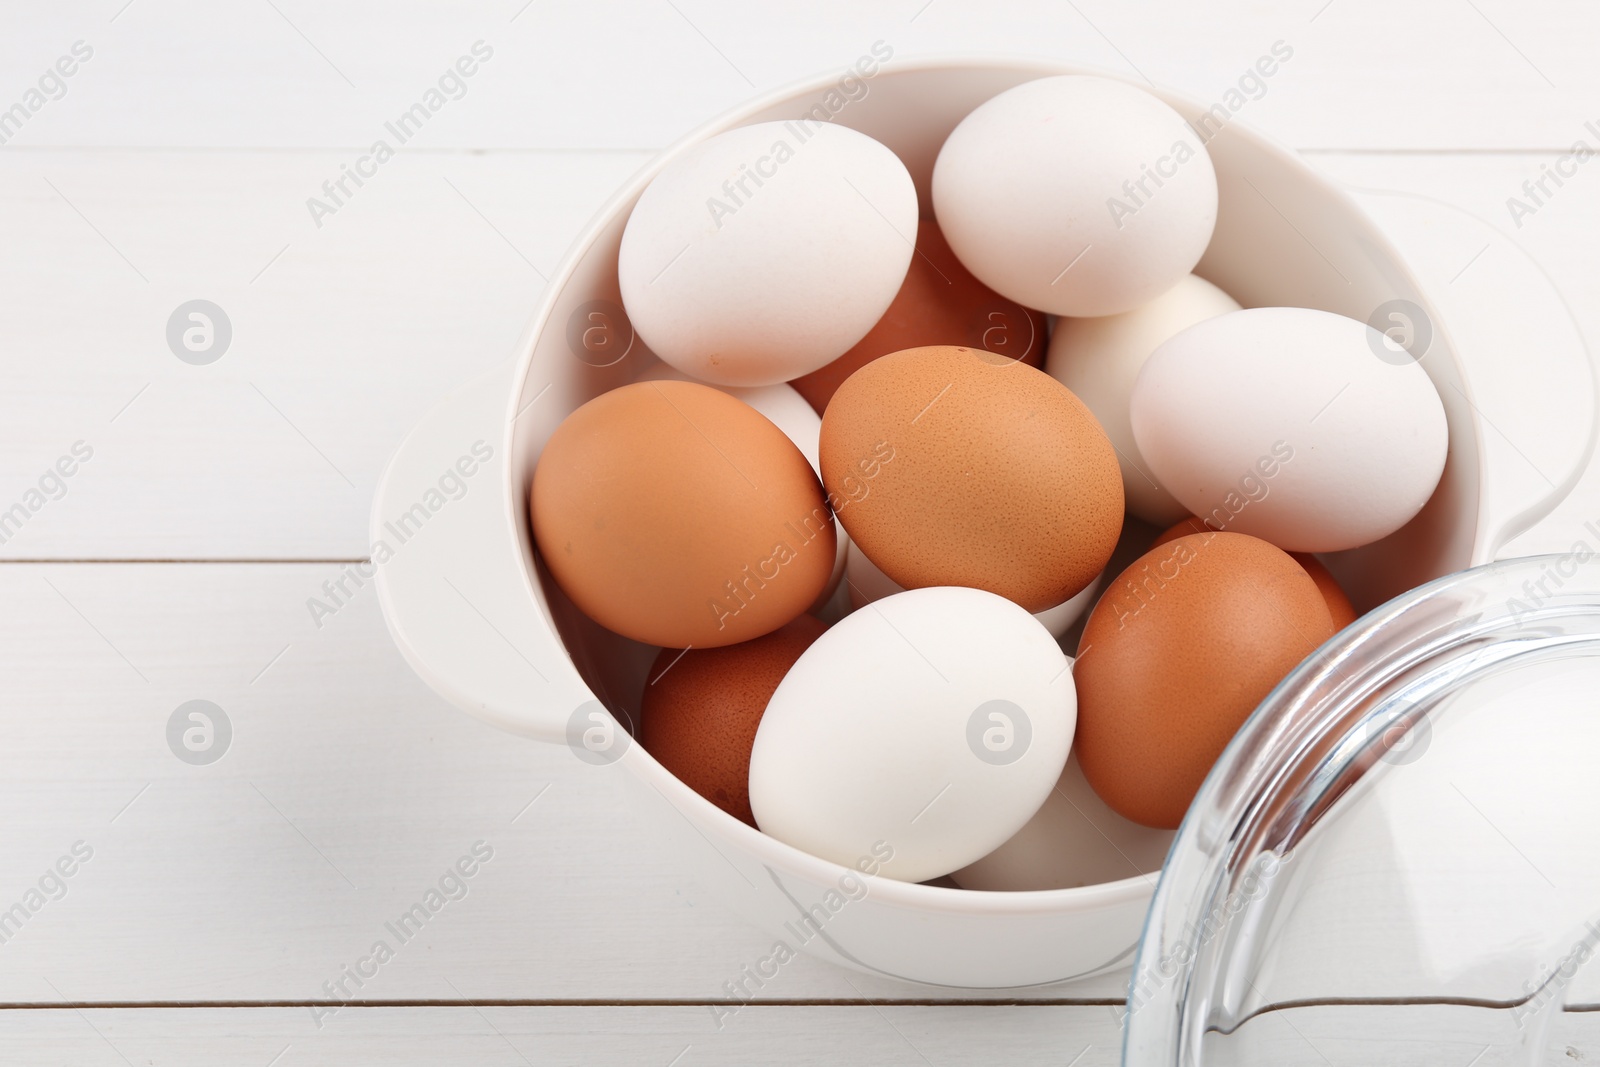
873	490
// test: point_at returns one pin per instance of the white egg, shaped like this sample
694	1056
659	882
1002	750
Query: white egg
1288	424
1076	194
1099	360
786	409
767	251
869	584
933	722
1073	840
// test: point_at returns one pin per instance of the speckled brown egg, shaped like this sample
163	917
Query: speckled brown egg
1176	655
701	709
939	303
677	515
1339	606
955	466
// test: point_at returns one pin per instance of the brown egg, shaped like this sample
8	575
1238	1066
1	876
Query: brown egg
701	709
1339	606
939	303
1176	655
1181	528
676	515
955	466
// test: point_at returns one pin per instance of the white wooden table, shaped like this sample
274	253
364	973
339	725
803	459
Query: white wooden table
176	563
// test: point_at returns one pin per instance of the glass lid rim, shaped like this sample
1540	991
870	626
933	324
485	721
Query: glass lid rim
1250	783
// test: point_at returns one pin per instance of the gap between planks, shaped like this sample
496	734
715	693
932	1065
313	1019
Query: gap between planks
793	1002
608	150
43	560
593	1002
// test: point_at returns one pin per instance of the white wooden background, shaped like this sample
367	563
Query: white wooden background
176	166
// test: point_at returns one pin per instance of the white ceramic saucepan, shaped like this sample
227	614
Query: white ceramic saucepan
476	615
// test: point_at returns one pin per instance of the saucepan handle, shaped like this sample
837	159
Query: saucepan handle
1530	378
449	576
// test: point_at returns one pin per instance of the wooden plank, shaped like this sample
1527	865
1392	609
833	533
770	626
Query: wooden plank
341	336
347	791
1414	1035
1364	74
344	339
1385	1036
514	1037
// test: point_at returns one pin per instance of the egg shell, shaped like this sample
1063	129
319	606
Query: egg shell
954	466
939	303
1099	360
1076	194
701	708
677	515
882	733
766	251
1339	606
1340	609
1287	424
868	584
1175	656
789	412
1073	840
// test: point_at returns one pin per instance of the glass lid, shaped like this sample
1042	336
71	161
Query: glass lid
1397	860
